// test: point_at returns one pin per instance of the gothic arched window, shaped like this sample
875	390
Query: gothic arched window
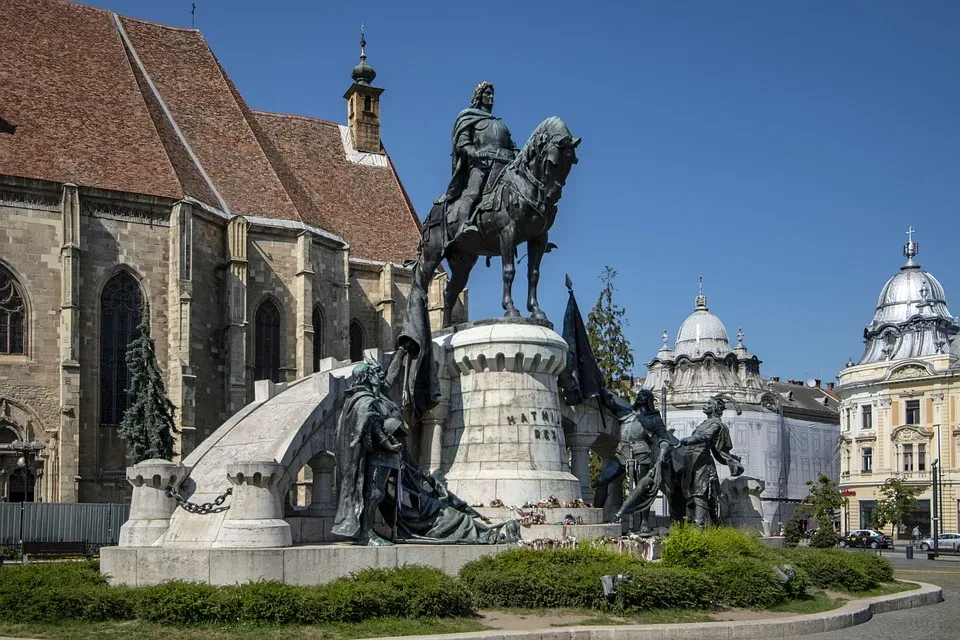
356	342
13	314
267	342
121	310
317	337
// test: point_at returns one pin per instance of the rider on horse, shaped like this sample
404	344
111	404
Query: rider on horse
482	147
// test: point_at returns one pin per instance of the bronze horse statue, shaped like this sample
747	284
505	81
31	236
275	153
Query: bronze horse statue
520	205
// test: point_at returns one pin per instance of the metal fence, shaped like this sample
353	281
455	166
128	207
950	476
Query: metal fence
95	524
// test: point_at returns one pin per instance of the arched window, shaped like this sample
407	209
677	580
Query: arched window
318	337
121	309
356	341
267	342
13	326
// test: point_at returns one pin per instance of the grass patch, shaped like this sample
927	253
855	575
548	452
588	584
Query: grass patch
886	589
813	604
123	630
655	616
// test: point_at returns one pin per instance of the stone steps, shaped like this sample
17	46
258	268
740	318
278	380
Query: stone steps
579	531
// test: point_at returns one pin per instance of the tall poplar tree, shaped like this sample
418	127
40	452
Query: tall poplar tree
605	325
147	424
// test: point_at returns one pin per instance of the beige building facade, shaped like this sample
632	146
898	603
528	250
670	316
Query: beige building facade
135	179
899	403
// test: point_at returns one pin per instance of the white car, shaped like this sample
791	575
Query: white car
945	542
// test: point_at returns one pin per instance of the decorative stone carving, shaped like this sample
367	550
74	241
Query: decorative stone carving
740	504
150	507
255	518
909	371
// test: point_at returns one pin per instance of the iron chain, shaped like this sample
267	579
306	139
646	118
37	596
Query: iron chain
207	507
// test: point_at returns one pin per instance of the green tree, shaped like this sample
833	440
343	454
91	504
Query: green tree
823	499
899	501
605	325
147	424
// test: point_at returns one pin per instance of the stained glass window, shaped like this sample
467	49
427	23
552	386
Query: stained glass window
121	309
267	342
13	332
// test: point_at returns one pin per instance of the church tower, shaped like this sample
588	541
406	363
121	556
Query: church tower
363	105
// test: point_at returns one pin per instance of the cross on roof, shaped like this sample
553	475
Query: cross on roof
910	234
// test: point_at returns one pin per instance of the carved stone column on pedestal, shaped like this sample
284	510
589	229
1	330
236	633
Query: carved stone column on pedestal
505	421
580	462
255	517
150	507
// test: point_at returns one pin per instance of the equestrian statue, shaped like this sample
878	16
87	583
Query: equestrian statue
498	198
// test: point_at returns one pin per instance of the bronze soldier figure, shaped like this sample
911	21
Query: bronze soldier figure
701	484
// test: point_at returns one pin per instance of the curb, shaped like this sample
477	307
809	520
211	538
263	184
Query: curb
850	614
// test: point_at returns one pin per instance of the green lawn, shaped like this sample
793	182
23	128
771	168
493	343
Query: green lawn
148	631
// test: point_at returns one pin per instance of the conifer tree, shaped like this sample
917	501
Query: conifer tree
605	325
147	424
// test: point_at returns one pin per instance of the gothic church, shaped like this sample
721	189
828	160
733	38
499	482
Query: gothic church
267	246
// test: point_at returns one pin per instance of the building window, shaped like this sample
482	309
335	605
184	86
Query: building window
866	459
913	412
13	332
267	342
849	422
356	341
908	457
921	456
367	104
866	416
317	337
121	310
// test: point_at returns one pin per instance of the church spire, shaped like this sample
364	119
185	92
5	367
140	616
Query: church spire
363	103
701	299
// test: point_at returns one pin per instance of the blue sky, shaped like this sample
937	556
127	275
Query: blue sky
780	149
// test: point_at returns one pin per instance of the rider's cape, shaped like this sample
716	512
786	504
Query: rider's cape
466	119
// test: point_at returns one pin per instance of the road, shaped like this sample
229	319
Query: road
939	621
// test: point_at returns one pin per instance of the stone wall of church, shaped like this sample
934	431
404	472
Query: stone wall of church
30	250
208	349
107	247
84	460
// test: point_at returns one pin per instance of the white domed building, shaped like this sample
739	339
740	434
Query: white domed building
898	404
787	433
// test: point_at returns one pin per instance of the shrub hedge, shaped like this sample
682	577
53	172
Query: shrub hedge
700	569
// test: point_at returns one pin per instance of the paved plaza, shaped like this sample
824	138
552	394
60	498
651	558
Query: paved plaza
934	621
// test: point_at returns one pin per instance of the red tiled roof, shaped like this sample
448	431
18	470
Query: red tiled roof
364	204
85	112
67	86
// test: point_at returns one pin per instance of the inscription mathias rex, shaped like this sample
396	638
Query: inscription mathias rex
537	418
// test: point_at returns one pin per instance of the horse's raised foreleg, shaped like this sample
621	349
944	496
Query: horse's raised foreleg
508	254
535	249
460	267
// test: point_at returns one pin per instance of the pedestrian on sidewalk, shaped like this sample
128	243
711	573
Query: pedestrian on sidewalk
916	534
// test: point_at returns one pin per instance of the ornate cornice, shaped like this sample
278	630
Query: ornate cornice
29	200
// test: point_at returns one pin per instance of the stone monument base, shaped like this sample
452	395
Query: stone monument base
588	523
303	565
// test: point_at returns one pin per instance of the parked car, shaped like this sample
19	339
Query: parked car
866	538
945	542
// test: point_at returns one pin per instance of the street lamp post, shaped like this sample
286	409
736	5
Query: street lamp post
936	506
28	453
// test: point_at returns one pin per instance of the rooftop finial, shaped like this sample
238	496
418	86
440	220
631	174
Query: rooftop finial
363	73
665	338
911	249
740	337
701	299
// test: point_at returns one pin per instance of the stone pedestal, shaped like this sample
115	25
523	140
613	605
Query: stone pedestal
504	433
150	507
255	517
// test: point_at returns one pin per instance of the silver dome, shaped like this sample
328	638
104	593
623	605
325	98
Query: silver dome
702	332
911	317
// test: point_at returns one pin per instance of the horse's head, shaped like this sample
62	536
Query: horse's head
550	152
